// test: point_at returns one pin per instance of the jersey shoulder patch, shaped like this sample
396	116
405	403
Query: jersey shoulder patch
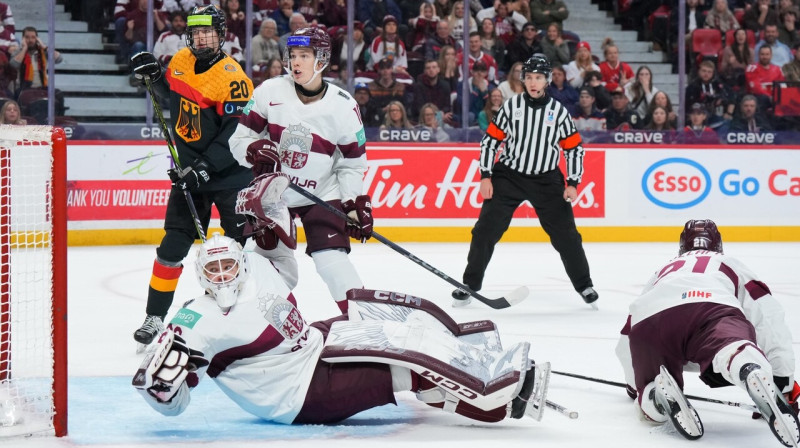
186	318
344	95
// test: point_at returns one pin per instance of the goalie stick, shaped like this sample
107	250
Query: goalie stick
735	404
174	153
513	298
562	410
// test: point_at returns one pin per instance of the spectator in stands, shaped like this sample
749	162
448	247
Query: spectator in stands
583	62
711	92
423	26
721	18
6	77
372	13
791	71
524	46
659	121
296	21
443	7
274	68
783	5
479	88
172	40
265	44
438	41
389	45
620	117
694	19
696	130
456	21
735	59
641	91
448	67
431	119
750	119
490	109
283	15
662	100
233	47
587	117
759	77
30	61
507	19
11	114
493	45
430	88
545	12
386	88
333	13
234	19
555	47
614	71
787	30
360	50
181	6
309	9
781	53
476	54
396	117
370	114
121	9
262	10
136	28
602	97
760	15
513	83
7	29
562	91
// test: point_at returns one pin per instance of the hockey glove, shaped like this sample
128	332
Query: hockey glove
360	213
144	64
190	177
264	157
165	369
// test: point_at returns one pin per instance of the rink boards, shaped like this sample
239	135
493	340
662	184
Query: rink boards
118	192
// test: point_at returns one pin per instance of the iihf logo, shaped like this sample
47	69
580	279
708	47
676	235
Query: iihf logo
696	295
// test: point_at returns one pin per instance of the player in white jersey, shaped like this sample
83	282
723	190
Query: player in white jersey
706	310
247	334
312	131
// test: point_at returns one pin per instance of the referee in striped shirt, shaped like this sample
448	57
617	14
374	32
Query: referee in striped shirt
534	128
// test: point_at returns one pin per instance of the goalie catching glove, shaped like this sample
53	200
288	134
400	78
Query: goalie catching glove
264	157
164	370
190	177
144	64
359	225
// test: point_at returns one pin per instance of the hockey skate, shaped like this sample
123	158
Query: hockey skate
590	296
532	397
670	401
461	298
770	402
150	328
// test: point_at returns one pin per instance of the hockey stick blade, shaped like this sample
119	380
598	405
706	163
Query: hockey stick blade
562	410
516	296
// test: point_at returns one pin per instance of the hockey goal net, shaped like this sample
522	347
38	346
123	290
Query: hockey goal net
33	283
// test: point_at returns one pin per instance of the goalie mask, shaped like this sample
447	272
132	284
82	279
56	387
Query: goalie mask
700	234
222	268
268	217
201	20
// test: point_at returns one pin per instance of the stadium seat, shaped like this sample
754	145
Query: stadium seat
706	44
27	96
751	38
786	99
739	14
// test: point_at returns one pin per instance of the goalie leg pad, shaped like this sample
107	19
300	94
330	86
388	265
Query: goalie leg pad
484	379
268	217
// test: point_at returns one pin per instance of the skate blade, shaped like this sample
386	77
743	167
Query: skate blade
140	348
682	415
537	401
787	432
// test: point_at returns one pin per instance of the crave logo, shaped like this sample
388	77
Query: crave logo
676	183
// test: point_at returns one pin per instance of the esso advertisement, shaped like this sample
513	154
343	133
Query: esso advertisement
436	182
726	183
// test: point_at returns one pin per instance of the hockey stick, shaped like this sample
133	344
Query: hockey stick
516	296
561	410
174	153
744	406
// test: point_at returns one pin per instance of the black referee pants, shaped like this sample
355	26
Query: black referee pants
546	193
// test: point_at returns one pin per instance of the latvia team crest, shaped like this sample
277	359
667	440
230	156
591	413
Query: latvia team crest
295	146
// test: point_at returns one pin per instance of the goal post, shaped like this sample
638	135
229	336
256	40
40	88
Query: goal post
33	280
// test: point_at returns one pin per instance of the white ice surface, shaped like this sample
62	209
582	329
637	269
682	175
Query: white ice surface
107	294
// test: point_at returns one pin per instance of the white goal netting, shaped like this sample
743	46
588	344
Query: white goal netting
27	287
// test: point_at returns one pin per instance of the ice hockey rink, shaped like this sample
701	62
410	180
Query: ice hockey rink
107	291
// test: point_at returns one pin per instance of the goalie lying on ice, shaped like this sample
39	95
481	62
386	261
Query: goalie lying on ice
247	334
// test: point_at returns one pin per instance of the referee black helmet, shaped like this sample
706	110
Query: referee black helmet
538	63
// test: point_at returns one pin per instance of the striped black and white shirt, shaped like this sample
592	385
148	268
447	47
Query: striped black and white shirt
533	134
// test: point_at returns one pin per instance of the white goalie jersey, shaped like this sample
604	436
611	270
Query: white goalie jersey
321	144
261	353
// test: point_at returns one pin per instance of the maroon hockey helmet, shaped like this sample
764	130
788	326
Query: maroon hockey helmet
310	37
700	234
